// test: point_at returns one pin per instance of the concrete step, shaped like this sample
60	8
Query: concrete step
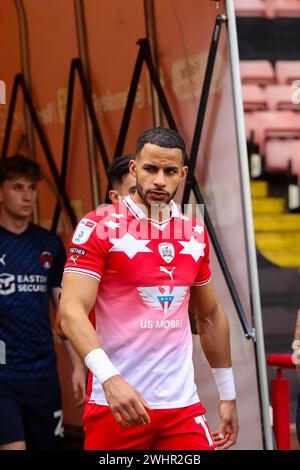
268	205
259	188
283	258
274	223
270	240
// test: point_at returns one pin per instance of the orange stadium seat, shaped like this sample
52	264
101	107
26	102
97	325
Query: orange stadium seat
280	97
279	152
259	72
254	98
249	7
287	71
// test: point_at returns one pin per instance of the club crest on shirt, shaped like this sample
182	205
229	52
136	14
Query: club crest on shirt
166	251
83	231
46	260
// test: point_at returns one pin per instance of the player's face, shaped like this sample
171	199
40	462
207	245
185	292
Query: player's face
158	172
17	197
126	188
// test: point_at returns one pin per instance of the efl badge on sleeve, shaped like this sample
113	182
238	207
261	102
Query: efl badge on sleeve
83	231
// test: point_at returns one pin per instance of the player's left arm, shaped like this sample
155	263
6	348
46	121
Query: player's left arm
78	367
213	328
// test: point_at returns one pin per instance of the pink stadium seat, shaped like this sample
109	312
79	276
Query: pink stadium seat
280	97
268	8
287	71
275	8
274	124
279	152
249	7
259	72
254	98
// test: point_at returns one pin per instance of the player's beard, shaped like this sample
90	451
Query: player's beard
143	195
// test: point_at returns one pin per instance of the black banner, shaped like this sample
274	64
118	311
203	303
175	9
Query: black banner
144	459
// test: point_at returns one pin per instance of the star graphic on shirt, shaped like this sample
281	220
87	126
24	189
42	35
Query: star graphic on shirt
112	224
130	245
117	216
184	217
198	229
193	248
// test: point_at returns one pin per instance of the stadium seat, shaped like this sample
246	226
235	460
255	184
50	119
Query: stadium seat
257	72
268	8
254	98
287	71
281	8
280	97
278	152
249	7
273	124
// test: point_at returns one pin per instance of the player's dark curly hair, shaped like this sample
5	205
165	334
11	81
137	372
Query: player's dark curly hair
164	137
118	169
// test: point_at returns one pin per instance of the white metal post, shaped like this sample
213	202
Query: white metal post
250	240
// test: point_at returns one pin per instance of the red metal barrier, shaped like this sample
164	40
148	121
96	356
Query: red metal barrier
280	395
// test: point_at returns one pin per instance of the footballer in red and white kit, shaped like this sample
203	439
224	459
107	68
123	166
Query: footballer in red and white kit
145	269
132	269
141	310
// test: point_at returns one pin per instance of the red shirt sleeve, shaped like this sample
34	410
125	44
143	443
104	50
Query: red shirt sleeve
88	249
204	274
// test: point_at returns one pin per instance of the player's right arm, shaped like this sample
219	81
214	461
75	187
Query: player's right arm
77	299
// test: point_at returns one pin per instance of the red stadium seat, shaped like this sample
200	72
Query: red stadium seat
280	97
249	7
287	71
279	152
273	124
254	98
259	72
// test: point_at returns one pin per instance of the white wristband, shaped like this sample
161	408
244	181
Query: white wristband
100	365
225	383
